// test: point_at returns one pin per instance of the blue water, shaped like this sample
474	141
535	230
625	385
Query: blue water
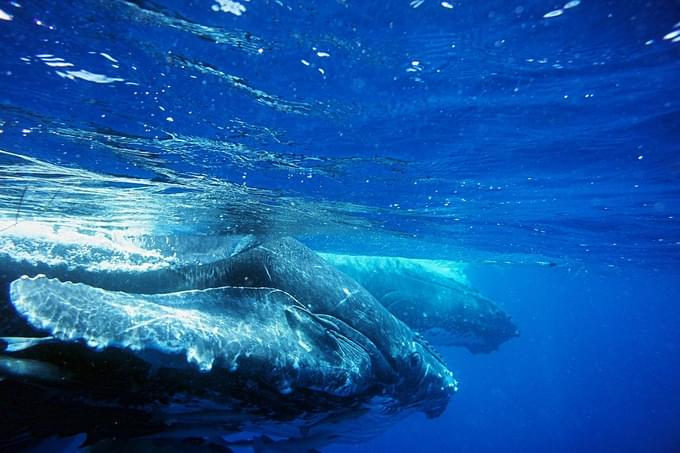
536	141
595	369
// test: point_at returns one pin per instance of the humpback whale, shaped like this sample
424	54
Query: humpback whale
433	298
270	334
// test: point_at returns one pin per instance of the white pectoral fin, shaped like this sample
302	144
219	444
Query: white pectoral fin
15	344
13	367
261	332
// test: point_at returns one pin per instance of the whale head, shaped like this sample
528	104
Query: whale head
426	381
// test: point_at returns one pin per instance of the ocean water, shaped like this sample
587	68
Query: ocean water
535	143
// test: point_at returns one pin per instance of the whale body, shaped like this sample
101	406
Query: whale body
433	298
270	335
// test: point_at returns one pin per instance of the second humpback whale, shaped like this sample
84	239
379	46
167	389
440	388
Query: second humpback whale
432	297
269	335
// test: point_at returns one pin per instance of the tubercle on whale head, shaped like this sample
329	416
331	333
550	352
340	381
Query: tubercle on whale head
427	384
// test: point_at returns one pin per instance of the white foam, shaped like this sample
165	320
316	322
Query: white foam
108	57
82	74
672	35
229	6
553	13
58	64
37	242
89	76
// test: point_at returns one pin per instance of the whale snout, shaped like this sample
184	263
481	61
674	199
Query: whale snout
427	384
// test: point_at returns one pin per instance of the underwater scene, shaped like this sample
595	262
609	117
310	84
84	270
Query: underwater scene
339	226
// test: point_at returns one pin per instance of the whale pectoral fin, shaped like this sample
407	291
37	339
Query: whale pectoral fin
12	367
260	333
16	344
344	332
302	319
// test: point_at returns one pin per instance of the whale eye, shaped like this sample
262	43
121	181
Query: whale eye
415	361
